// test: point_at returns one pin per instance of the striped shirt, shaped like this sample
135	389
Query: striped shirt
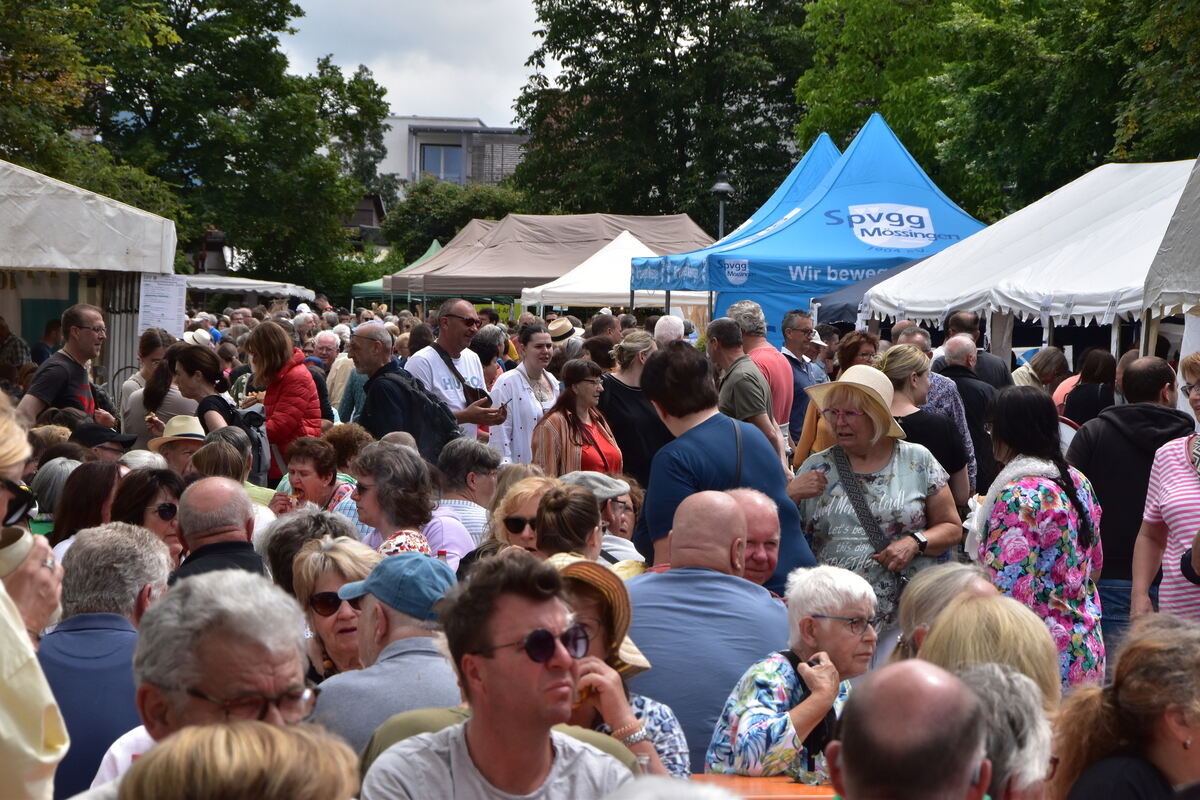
1173	499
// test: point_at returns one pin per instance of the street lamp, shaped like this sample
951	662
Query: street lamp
722	190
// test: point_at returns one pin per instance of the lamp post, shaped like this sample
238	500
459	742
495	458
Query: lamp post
722	190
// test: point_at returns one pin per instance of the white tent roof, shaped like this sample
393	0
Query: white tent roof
48	224
236	283
603	280
1173	283
1082	253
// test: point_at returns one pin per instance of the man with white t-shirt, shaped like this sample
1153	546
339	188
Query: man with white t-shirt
436	367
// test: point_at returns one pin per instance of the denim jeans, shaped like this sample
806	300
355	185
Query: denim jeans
1114	614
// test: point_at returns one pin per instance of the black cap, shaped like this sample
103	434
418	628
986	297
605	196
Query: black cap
93	434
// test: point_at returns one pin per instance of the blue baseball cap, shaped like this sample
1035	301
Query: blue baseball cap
411	583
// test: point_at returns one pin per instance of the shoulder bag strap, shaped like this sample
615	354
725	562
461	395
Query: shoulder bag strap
737	437
852	484
441	351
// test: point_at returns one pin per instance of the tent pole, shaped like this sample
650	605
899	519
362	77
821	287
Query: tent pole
712	298
1115	341
631	306
667	303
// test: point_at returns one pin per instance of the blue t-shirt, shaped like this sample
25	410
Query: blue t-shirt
705	458
701	630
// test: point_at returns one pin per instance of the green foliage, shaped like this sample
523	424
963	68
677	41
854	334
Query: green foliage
655	98
434	209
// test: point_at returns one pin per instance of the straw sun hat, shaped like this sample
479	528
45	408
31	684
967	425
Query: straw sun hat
624	656
872	386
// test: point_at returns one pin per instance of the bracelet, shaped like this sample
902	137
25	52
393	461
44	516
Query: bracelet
625	730
633	739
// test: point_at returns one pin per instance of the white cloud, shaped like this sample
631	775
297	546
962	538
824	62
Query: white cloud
434	57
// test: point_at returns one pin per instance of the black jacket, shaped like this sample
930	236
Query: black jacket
383	408
990	369
1115	451
977	397
220	555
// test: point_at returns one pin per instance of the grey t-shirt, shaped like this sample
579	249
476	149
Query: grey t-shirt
438	765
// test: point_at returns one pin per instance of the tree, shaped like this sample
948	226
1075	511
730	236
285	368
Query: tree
434	209
654	99
251	150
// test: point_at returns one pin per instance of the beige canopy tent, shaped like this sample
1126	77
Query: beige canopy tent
525	250
461	244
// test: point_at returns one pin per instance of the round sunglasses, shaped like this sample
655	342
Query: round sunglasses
327	603
540	644
21	505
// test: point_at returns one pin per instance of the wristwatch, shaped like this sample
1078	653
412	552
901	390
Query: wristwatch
922	542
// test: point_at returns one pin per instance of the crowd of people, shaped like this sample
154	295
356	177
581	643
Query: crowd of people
320	554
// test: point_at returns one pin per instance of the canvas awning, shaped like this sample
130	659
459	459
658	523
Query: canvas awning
375	288
1173	283
234	283
48	224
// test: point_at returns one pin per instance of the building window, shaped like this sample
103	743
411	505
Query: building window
442	161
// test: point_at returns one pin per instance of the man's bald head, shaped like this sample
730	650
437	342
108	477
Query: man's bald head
762	534
960	350
911	730
215	509
709	530
1149	380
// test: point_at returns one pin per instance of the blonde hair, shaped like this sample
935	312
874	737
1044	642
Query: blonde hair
927	595
1000	630
1189	366
900	361
520	493
14	442
220	460
847	395
245	760
1156	668
627	350
349	558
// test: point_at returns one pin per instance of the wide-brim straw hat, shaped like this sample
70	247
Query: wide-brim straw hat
624	657
875	389
179	428
561	330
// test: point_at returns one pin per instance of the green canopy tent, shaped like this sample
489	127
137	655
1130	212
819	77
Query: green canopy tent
374	289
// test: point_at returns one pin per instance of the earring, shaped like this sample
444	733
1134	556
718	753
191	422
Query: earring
1187	743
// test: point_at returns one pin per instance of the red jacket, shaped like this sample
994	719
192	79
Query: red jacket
293	409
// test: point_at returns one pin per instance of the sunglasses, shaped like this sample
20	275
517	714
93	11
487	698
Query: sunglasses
517	524
22	503
166	511
540	645
327	603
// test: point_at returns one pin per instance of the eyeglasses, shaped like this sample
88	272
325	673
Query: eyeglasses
327	604
516	524
858	625
166	511
1188	388
472	322
850	414
593	381
540	645
294	705
804	331
21	504
99	330
363	488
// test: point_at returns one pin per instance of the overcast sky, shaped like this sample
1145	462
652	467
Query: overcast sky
435	57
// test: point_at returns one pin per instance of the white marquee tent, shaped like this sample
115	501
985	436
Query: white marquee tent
1173	282
233	284
1081	253
603	280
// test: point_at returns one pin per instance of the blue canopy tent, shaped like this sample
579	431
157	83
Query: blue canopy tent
875	209
843	305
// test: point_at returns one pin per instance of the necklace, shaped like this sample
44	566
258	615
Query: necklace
541	390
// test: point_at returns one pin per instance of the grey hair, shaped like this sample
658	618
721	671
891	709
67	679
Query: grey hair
572	348
343	331
328	334
959	348
399	619
318	522
494	335
107	566
928	594
47	484
668	329
1018	732
233	603
402	481
142	459
789	319
233	514
913	332
231	435
465	455
375	331
822	590
330	318
749	316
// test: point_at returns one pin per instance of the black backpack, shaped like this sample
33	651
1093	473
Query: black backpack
426	416
253	421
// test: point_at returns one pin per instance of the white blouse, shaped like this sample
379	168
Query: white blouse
514	437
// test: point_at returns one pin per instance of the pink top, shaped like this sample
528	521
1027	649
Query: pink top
775	368
1173	499
1062	390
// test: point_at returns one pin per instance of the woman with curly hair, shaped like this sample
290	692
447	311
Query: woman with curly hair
394	495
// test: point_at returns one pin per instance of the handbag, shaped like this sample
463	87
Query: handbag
470	393
853	487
